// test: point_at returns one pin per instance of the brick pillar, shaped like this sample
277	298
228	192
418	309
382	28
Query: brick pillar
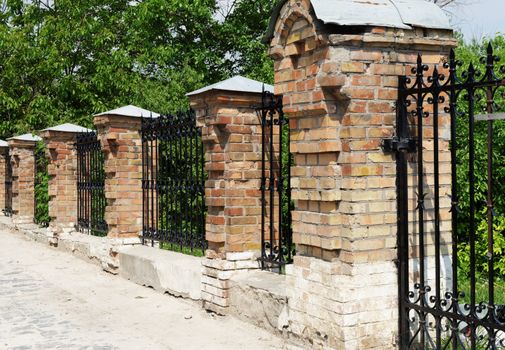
119	134
22	150
4	152
231	133
340	86
62	168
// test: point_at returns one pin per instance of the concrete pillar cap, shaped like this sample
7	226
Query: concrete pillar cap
236	84
130	111
68	127
25	137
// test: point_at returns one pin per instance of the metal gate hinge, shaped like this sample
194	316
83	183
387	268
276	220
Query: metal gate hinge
397	144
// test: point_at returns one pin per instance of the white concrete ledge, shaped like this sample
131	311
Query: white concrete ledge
259	297
163	270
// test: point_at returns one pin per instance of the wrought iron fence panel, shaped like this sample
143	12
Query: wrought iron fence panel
8	186
91	202
173	180
446	242
277	248
41	198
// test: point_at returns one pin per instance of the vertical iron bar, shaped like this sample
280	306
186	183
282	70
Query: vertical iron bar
89	180
420	194
402	217
170	178
142	135
271	185
184	179
263	180
151	187
454	196
179	181
437	204
471	177
490	204
157	187
191	181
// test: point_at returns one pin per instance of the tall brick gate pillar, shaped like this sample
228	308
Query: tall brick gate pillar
62	169
119	134
4	152
340	85
22	150
231	134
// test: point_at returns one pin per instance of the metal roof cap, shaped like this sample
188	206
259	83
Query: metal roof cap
130	111
238	84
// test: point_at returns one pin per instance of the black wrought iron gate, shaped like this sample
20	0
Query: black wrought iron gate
8	186
450	227
276	232
91	200
173	183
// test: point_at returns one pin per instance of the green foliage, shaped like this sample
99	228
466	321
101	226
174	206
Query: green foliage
65	62
471	53
41	186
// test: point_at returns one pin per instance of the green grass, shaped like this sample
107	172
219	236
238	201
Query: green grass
481	289
198	252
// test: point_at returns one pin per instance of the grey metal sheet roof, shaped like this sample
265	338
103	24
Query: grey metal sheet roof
3	143
237	83
420	13
403	14
130	111
26	137
356	12
68	127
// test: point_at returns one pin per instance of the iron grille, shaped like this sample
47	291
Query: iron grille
41	198
277	247
91	200
173	180
435	312
8	186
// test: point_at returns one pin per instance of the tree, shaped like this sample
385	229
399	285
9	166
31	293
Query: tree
64	62
467	54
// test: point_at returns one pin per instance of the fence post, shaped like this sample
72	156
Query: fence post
119	133
340	86
4	152
62	169
22	150
231	134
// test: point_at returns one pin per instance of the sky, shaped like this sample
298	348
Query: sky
478	18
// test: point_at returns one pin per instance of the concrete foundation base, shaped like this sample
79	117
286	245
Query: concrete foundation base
259	297
163	270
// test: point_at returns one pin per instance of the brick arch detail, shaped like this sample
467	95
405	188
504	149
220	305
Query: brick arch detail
291	13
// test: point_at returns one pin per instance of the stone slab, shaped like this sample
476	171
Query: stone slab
163	270
259	297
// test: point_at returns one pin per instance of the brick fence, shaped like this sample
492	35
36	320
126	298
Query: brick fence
339	87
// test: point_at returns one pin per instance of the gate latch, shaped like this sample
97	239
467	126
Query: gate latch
398	144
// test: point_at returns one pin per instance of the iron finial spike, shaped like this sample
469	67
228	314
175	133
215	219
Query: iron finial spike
471	68
490	49
452	59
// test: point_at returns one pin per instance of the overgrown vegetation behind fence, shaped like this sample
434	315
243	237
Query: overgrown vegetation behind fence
41	186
